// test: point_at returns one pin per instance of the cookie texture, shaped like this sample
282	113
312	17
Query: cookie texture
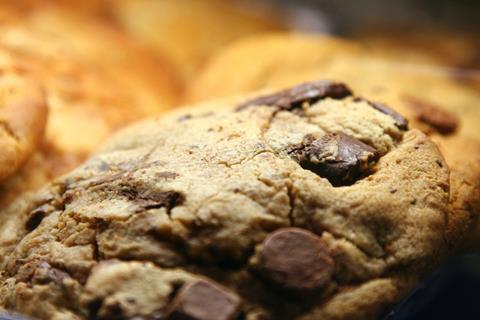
95	80
431	99
214	215
23	114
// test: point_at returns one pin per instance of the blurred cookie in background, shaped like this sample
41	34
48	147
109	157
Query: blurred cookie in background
428	32
88	7
458	51
184	32
96	81
455	49
188	32
429	97
246	65
444	31
23	114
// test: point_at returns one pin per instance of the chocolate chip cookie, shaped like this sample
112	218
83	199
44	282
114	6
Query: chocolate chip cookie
430	99
307	203
23	114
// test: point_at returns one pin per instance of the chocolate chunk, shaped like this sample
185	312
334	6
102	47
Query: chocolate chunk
295	97
400	121
203	300
295	259
338	157
440	120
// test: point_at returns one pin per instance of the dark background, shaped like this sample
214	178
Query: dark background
349	16
452	292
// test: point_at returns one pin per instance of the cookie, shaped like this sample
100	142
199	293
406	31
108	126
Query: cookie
87	7
23	114
95	79
430	99
187	32
459	56
306	203
428	46
184	32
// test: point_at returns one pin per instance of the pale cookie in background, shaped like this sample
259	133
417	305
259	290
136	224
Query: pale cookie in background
23	114
443	47
189	32
185	33
97	8
300	204
457	53
430	98
95	80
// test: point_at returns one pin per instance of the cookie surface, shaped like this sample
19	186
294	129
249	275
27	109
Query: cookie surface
429	98
23	114
321	207
96	81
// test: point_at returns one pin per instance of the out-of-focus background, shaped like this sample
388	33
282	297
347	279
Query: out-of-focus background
444	30
187	32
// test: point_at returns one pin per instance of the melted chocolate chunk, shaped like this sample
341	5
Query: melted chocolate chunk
295	97
400	121
437	118
295	259
338	157
203	300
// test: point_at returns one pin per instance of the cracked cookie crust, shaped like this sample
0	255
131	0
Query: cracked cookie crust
320	208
